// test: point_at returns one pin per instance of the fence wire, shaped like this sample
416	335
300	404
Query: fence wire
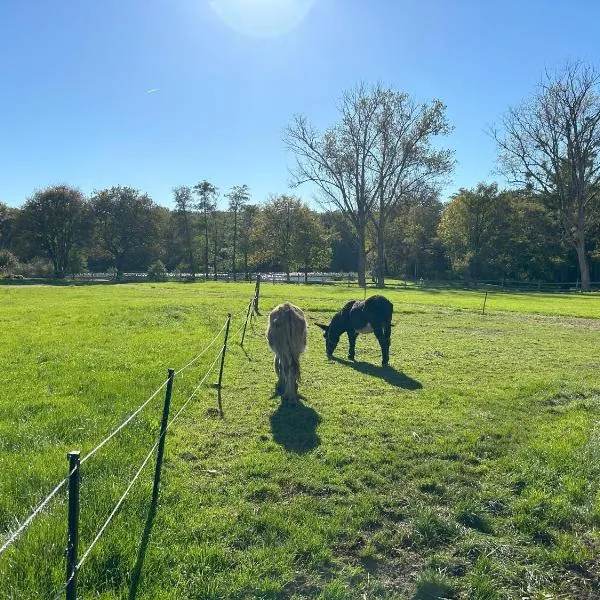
247	313
13	537
197	387
196	358
32	516
55	491
135	477
124	423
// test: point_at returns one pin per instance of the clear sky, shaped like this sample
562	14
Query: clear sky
159	93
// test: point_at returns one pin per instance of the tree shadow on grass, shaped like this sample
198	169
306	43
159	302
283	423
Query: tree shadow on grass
388	374
294	427
139	563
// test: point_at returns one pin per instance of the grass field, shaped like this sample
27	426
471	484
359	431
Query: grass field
468	469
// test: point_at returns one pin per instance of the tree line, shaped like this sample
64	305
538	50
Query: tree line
483	233
378	171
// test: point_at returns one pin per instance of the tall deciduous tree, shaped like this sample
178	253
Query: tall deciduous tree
55	219
311	241
249	216
183	210
413	247
474	230
291	236
551	144
405	160
338	162
206	204
126	226
535	246
8	218
238	198
275	230
377	153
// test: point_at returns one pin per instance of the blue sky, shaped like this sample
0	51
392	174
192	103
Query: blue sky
229	74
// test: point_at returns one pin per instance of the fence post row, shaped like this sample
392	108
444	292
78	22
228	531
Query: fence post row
74	473
72	525
162	435
223	352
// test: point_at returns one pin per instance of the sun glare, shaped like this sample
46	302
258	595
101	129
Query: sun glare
262	18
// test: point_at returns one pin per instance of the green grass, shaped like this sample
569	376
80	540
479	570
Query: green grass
469	469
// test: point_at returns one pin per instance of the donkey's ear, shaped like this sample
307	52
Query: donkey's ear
323	327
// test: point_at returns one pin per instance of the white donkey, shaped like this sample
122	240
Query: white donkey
286	334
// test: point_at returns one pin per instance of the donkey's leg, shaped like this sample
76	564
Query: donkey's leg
384	344
387	332
352	335
290	381
294	376
278	370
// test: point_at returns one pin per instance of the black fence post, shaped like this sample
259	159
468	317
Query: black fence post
73	525
162	435
257	294
246	323
484	301
222	363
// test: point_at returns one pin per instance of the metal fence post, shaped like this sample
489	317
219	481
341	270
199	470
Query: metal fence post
222	363
256	294
163	433
484	301
72	525
246	323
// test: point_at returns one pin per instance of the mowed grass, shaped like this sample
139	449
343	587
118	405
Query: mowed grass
469	469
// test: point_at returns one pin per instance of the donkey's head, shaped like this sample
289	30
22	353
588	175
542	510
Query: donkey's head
332	337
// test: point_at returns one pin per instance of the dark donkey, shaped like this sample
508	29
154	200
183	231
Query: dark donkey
373	315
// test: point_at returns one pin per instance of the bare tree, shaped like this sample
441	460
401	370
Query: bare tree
404	161
338	161
379	151
238	198
550	144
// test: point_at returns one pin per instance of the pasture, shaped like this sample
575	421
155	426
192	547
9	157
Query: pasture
468	469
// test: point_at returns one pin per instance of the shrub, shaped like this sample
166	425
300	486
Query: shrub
37	267
8	262
157	271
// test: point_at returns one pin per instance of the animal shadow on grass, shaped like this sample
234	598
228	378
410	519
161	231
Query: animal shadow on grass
388	374
294	426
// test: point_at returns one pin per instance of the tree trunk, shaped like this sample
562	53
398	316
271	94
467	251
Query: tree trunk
362	255
215	251
234	241
59	269
190	248
245	265
584	268
380	275
361	267
205	247
215	261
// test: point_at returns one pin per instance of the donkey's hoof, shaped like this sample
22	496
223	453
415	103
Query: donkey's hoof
385	364
350	356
